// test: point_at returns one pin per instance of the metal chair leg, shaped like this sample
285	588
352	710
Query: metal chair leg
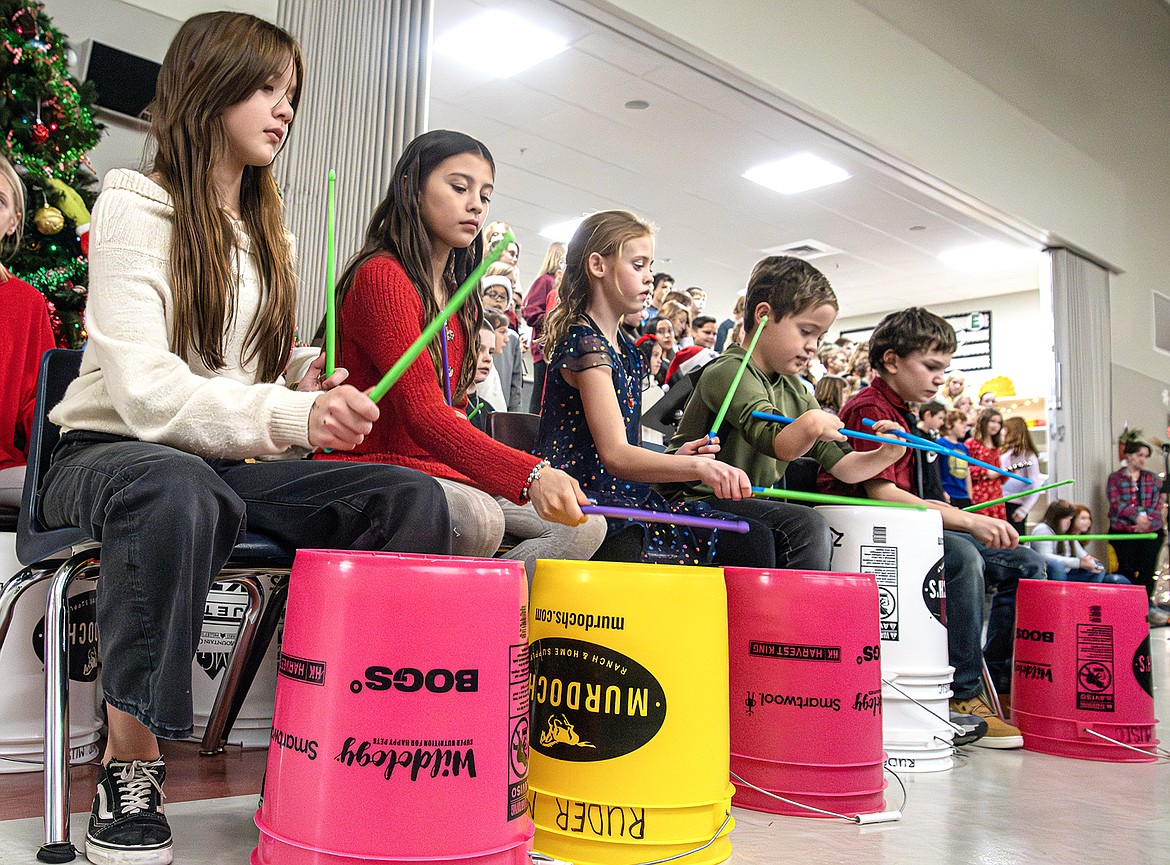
58	847
265	632
992	693
217	721
12	590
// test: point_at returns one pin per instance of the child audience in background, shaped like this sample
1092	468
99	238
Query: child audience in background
987	485
1019	457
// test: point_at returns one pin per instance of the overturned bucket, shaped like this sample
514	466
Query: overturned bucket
806	692
1081	682
630	728
400	731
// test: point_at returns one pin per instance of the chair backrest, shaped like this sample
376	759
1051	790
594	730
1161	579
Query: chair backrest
801	475
34	542
516	429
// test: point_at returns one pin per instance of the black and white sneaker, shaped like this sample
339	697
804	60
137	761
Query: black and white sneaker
126	824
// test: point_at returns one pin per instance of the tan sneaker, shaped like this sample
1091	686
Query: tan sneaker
1000	734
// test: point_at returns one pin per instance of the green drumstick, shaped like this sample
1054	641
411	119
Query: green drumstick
1145	536
1018	495
738	375
429	332
330	274
797	495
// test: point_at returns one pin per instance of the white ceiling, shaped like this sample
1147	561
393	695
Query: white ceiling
565	145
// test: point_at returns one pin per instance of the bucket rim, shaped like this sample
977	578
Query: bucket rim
360	857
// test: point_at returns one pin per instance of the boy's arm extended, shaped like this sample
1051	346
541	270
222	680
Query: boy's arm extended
991	532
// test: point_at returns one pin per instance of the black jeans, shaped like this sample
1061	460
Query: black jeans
799	533
167	522
1138	560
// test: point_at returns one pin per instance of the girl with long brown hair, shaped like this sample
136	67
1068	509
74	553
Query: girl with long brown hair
422	242
190	319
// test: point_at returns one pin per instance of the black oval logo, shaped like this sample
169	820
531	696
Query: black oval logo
1142	667
82	637
590	703
934	592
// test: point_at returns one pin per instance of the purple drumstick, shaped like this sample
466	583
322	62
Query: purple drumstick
738	526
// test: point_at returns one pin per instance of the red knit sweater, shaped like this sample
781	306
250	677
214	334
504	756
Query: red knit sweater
26	334
382	315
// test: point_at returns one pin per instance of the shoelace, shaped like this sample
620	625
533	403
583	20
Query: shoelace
137	777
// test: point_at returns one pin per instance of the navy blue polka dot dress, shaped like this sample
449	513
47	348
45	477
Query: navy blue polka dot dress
565	441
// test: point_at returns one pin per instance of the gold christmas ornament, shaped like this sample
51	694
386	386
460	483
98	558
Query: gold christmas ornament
49	220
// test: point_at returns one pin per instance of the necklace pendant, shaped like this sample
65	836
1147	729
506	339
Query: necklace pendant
450	334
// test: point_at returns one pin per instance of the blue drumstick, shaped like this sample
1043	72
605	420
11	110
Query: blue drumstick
946	451
763	415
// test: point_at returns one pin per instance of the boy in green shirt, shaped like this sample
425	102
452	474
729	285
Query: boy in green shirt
800	307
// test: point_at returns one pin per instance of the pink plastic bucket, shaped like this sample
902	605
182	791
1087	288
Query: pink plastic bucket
400	731
1082	663
806	690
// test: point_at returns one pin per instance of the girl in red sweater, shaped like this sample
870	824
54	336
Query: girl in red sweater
422	242
25	335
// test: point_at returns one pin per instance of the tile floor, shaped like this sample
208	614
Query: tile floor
993	808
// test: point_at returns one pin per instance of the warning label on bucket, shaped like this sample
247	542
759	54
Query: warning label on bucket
518	731
882	562
1095	668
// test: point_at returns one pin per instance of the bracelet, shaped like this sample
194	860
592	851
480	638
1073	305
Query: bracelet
533	477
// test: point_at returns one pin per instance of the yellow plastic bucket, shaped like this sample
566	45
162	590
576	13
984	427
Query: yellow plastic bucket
630	742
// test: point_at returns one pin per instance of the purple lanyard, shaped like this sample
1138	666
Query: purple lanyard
446	371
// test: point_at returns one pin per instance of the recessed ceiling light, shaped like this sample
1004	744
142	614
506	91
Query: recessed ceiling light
797	173
637	105
499	43
561	232
990	255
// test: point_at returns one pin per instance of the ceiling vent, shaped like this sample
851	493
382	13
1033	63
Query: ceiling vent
806	249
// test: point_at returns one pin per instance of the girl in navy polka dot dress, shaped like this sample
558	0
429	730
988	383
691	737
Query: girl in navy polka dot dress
591	412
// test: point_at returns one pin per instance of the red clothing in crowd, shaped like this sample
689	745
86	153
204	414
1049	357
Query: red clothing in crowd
381	317
985	484
26	335
537	305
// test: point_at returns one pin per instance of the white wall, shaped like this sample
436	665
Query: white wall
1054	112
127	28
1015	349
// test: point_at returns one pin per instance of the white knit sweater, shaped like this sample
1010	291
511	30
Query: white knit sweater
132	383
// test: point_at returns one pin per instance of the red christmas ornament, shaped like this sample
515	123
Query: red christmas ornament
40	133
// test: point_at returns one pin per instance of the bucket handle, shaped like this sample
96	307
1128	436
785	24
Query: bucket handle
1157	753
542	859
861	819
925	708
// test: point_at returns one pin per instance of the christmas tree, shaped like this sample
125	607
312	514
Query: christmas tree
47	116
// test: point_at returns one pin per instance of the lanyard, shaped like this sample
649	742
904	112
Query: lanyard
446	372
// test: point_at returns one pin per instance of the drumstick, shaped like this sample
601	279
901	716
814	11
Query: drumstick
737	526
722	413
912	445
799	496
928	445
419	345
1145	536
1020	494
330	273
